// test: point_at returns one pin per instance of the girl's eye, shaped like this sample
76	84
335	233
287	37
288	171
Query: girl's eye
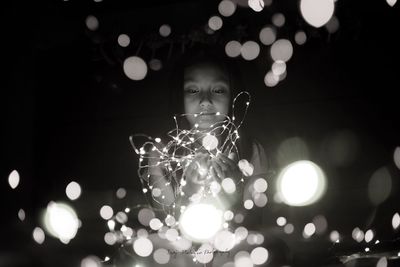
219	90
191	90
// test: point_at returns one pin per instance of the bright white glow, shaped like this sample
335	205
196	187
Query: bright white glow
396	157
215	23
232	48
155	224
61	221
369	235
224	240
111	225
21	214
204	254
267	35
226	8
281	221
241	233
210	142
165	30
250	50
248	204
92	23
334	236
317	12
300	37
161	256
260	185
301	183
200	222
391	2
228	185
242	259
309	229
271	79
246	167
110	238
278	67
278	19
135	68
13	179
91	261
171	234
396	221
73	190
215	187
260	199
282	49
38	235
143	247
380	186
256	5
106	212
259	255
228	215
170	220
124	40
382	262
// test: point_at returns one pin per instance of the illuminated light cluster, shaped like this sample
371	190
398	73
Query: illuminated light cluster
256	5
300	37
165	30
135	68
278	19
215	23
380	186
317	12
226	8
143	246
250	50
233	48
123	40
13	179
301	183
73	190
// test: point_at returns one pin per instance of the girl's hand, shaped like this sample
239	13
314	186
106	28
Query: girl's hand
224	167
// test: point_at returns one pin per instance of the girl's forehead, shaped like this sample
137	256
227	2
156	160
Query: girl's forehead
206	69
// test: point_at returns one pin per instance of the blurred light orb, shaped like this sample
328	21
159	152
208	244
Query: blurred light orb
145	216
200	222
143	246
106	212
61	221
301	183
170	220
282	49
260	199
121	193
369	235
92	23
121	217
156	192
210	142
259	255
91	261
278	67
38	235
73	190
21	214
142	233
317	12
321	224
309	229
256	5
267	35
204	254
13	179
281	221
246	167
260	185
228	185
382	262
171	234
110	238
135	68
165	30
123	40
228	215
334	236
161	256
155	64
300	37
271	79
391	2
396	157
241	233
333	25
242	259
250	50
278	19
111	225
233	48
248	204
380	186
238	218
224	241
226	8
288	228
215	23
357	234
396	221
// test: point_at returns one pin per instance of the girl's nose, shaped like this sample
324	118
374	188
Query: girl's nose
205	101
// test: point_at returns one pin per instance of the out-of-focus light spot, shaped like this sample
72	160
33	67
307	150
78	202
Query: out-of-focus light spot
333	25
238	218
366	249
317	12
226	8
357	234
382	262
282	49
142	233
21	214
289	228
233	48
111	225
278	19
91	261
391	2
396	157
92	23
396	221
124	40
242	259
127	232
260	185
155	64
73	190
121	217
200	222
204	254
309	229
121	193
250	50
281	221
291	150
215	187
165	30
267	35
256	5
156	192
301	183
110	238
260	200
38	235
278	67
135	68
215	23
143	247
248	204
259	255
300	37
106	212
61	221
228	185
246	167
171	234
334	236
228	215
224	241
210	142
321	224
271	79
155	224
241	233
170	220
161	256
13	179
369	235
380	186
342	148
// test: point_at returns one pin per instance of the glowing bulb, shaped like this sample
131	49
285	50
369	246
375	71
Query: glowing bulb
210	142
61	221
143	247
73	190
135	68
317	12
259	255
13	179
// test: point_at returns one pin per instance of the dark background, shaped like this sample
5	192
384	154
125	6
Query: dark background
68	110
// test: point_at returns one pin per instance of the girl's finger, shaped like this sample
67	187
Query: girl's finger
217	169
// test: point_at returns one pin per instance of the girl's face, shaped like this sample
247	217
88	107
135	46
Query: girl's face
206	91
